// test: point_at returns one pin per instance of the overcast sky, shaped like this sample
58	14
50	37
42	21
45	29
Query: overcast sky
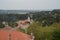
30	4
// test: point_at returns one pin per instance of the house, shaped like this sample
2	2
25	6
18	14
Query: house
7	33
23	23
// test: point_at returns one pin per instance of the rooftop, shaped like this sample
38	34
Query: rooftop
14	35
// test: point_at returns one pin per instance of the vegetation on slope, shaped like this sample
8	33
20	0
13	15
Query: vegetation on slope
44	33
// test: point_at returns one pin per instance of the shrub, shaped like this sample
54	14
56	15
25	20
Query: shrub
1	25
56	34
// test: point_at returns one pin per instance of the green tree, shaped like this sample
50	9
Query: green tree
12	24
1	25
56	34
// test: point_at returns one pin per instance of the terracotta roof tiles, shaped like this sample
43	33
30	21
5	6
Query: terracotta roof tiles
14	35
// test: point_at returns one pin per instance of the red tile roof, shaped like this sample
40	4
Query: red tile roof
13	35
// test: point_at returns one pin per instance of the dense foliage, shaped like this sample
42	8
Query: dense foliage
47	17
1	25
12	24
12	17
56	34
44	33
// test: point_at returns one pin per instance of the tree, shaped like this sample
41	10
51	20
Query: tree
1	25
56	35
12	24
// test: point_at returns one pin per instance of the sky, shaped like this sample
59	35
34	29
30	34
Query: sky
29	4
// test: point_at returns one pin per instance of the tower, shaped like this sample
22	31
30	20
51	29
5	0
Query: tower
29	18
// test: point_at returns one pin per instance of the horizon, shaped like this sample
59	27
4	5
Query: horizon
32	10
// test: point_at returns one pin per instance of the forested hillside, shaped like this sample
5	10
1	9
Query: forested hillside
47	17
44	17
